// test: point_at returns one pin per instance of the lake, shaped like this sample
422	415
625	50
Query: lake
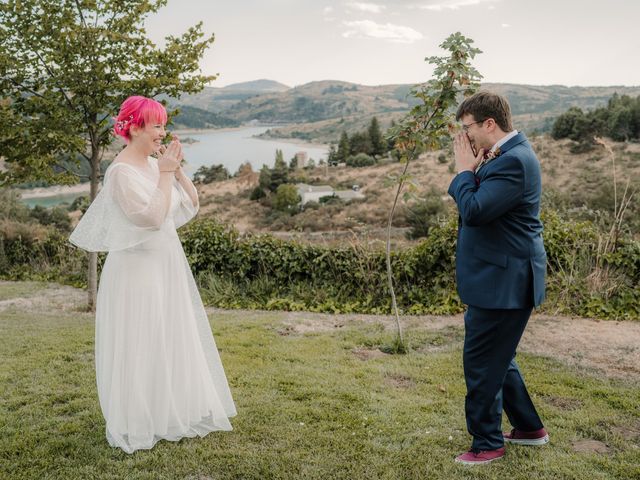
229	147
52	200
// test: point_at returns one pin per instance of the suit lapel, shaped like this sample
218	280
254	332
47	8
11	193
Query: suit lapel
512	142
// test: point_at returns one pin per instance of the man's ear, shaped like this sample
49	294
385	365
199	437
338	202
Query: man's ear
491	124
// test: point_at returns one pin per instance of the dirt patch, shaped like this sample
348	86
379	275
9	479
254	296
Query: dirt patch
304	322
590	446
54	297
610	347
366	354
630	432
399	381
562	403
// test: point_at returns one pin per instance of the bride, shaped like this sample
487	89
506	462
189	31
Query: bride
158	371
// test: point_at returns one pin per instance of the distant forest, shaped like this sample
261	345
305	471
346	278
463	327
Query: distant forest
619	120
192	117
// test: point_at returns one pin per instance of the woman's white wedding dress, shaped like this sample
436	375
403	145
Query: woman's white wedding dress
158	371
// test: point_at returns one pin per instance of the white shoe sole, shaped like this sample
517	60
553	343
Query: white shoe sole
528	441
464	462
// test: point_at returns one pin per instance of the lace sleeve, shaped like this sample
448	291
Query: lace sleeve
126	212
144	207
186	211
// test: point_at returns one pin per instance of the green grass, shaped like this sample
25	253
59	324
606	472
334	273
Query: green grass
308	408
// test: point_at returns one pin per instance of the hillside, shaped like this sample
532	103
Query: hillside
219	100
319	111
579	178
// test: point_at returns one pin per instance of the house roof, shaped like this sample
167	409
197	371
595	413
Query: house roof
303	187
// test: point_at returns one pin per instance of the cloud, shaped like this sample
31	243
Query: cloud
505	25
454	4
366	7
327	14
387	31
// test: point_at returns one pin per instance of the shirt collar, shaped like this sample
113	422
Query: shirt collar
504	140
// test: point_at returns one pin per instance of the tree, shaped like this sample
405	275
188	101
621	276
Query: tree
214	173
245	175
279	172
360	143
375	137
344	148
287	198
264	180
565	124
65	68
332	157
425	127
390	141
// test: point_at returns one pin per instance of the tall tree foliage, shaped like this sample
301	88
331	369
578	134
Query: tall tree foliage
426	125
375	137
619	120
66	66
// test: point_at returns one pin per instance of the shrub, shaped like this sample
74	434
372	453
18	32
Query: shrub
257	193
360	160
214	173
421	215
287	198
261	271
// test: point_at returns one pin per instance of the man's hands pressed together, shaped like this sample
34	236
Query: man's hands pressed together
463	152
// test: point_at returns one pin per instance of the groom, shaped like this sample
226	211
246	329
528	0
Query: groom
500	270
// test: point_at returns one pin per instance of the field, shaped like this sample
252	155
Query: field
317	400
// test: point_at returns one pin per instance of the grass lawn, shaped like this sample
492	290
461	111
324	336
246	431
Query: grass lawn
312	404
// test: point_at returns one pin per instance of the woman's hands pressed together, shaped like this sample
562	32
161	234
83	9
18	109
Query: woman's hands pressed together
170	157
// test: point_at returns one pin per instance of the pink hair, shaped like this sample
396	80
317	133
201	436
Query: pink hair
139	111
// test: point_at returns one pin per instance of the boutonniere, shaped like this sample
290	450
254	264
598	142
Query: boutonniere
491	154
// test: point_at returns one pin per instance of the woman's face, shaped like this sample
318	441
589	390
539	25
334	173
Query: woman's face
149	137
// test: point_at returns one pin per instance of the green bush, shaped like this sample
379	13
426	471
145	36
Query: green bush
287	198
422	214
213	173
264	272
360	160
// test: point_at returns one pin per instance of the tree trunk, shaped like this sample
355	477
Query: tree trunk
92	274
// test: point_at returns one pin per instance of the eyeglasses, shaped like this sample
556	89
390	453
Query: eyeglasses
465	128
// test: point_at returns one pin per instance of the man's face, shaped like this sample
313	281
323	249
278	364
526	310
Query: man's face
476	132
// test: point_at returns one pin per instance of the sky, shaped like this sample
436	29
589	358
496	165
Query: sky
542	42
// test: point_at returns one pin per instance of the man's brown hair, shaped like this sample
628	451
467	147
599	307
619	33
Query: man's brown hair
484	105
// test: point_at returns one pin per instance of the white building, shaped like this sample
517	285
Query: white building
313	193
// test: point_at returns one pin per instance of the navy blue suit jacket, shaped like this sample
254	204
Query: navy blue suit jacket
500	257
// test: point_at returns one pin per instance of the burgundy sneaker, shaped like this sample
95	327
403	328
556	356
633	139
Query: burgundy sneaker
518	437
479	458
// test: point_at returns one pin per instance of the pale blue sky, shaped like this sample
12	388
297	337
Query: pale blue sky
543	42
